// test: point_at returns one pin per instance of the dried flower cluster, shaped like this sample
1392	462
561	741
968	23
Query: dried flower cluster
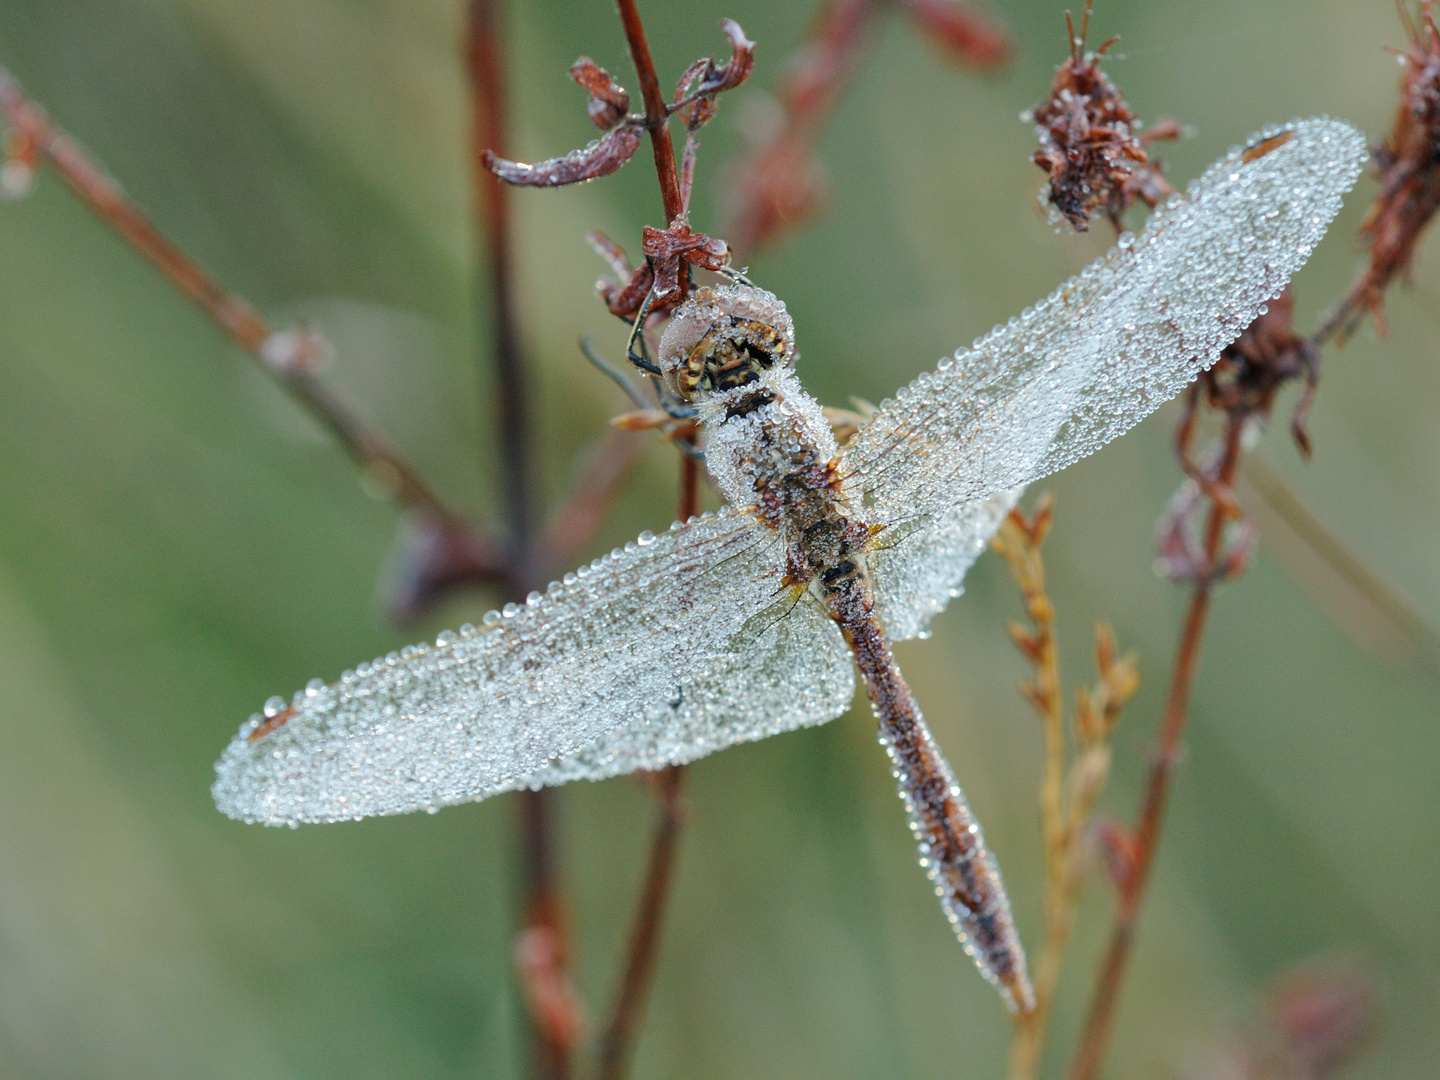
1073	781
1409	163
1091	143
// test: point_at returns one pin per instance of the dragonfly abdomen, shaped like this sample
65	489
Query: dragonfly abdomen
952	847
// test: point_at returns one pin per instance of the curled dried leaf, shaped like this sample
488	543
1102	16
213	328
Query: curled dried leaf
735	70
608	100
601	157
667	251
702	80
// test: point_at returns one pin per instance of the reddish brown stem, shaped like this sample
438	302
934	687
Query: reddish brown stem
551	1049
656	114
1095	1037
618	1041
233	315
492	201
619	1037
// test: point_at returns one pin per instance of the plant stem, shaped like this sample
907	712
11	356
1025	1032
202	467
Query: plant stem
1098	1023
550	1054
615	1044
1045	695
492	203
656	117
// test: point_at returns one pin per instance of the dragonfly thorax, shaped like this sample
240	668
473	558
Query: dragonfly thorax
724	338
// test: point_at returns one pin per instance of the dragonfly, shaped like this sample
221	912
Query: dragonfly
750	621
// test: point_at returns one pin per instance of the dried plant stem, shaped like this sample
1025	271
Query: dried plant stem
656	115
1019	541
1099	1021
1067	797
617	1042
230	313
492	202
552	1042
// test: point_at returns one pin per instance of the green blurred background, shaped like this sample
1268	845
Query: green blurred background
177	542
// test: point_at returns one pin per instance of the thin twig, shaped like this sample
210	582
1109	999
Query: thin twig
280	356
616	1044
553	1042
656	113
1095	1037
1019	542
1067	797
492	202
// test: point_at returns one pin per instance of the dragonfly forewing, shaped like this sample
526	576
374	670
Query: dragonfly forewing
1111	345
486	710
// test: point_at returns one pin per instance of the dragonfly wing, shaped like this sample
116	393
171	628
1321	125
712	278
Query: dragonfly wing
1110	345
797	673
915	577
480	713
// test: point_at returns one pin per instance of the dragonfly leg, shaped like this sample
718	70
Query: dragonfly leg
735	277
637	349
612	372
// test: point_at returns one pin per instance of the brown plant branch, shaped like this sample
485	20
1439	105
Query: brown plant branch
492	203
619	1036
657	115
1144	838
290	357
617	1043
542	948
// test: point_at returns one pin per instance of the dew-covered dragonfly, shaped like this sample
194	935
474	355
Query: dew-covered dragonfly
751	621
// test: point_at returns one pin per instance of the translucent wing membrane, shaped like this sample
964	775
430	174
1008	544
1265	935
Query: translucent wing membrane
797	673
1109	346
915	577
516	702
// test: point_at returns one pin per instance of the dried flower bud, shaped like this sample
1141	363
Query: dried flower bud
668	250
1409	162
1090	142
22	160
552	1000
1118	850
297	351
608	100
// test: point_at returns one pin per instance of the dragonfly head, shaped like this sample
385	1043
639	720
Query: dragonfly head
725	337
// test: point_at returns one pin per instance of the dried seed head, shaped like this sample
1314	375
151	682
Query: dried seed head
1409	163
1090	141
